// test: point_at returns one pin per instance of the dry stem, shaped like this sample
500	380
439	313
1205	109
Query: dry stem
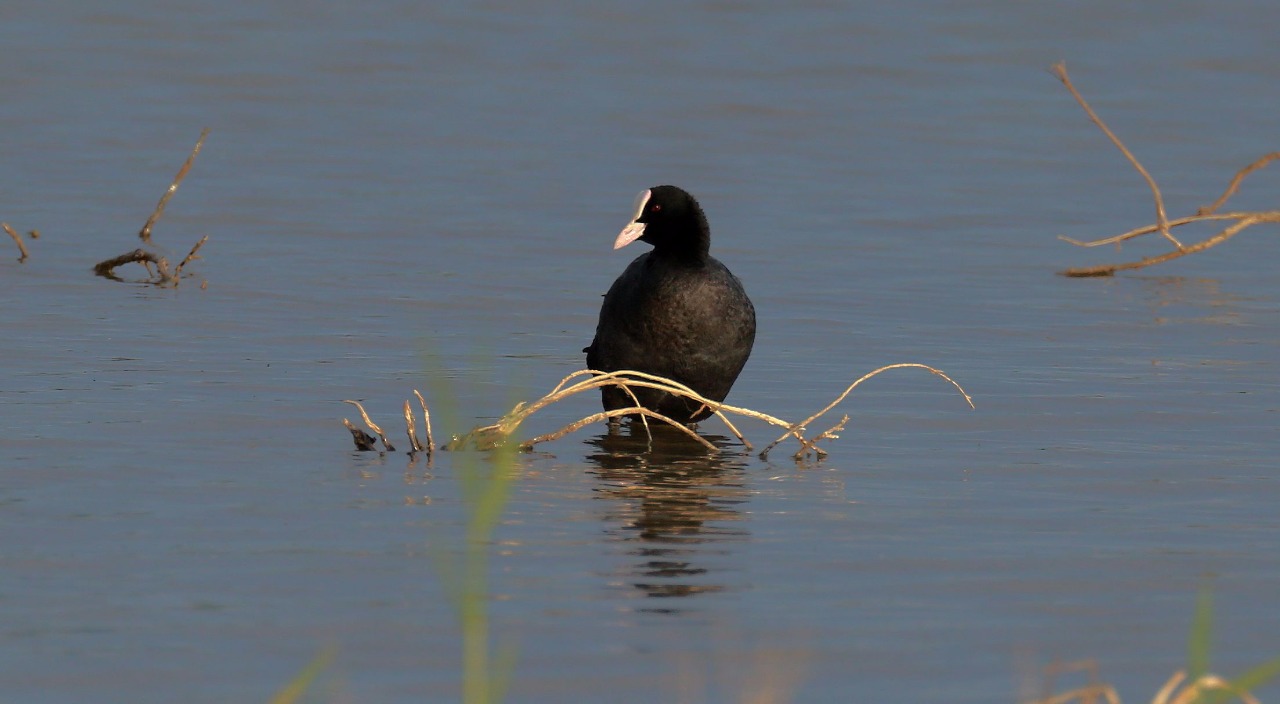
411	427
145	232
17	239
190	256
1235	182
363	440
496	433
107	268
1163	224
796	428
1162	221
426	421
1169	693
1193	691
616	413
1228	233
372	426
160	277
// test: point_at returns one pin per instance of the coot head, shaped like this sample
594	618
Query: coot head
670	219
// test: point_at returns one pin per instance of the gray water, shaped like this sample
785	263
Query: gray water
409	195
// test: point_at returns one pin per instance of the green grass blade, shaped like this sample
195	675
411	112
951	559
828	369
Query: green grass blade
292	693
503	667
1201	640
1258	676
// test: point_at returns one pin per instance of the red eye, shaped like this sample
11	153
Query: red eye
655	207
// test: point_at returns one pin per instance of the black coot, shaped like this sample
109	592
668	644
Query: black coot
675	312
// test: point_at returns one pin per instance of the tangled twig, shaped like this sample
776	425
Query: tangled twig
161	276
1163	224
586	380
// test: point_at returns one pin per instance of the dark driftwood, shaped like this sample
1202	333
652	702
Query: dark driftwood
141	256
364	441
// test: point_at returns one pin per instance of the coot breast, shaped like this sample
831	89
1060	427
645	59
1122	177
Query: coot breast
675	311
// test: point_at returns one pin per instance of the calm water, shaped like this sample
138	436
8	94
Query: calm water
410	195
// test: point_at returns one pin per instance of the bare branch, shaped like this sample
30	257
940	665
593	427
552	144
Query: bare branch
1228	233
1242	220
794	428
17	239
145	232
617	412
426	421
411	428
107	268
190	256
1235	182
1162	221
372	426
363	440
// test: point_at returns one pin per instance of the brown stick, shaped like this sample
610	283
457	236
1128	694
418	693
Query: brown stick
1235	182
411	426
145	232
107	268
795	427
496	433
1232	231
831	433
18	239
191	256
363	440
1148	229
426	421
372	426
1162	221
1163	224
617	412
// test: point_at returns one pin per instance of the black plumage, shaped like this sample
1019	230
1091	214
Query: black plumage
675	311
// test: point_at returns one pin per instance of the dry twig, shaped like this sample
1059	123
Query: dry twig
1162	221
796	428
491	435
17	239
1163	224
191	256
145	233
363	440
107	268
426	421
1170	693
1192	692
372	426
411	427
1234	186
162	276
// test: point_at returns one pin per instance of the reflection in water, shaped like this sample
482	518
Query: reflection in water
1166	296
670	498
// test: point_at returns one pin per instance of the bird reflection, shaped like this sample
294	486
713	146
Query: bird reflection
671	499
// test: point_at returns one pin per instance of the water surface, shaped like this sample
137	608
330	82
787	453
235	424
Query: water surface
402	196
